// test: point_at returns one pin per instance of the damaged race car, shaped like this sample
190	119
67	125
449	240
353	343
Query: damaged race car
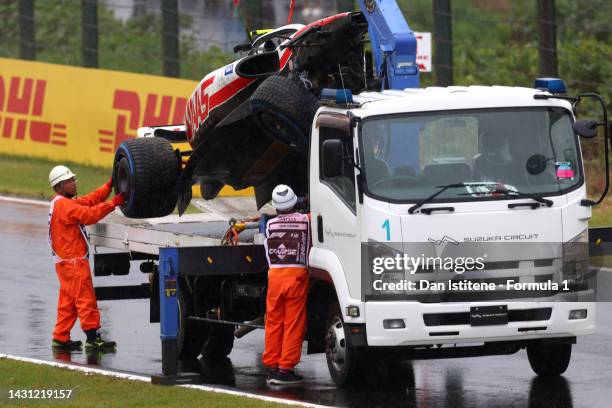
248	123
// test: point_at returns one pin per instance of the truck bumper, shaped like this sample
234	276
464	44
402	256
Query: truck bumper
449	323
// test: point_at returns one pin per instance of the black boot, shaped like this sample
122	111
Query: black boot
285	377
66	345
95	342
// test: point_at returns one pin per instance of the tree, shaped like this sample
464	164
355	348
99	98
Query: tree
133	45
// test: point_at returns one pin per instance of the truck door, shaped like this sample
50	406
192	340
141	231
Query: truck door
333	198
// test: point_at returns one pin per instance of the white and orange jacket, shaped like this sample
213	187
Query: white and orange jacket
67	218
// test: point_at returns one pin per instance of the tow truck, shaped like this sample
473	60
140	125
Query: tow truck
394	171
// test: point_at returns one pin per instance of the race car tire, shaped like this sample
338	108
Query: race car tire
283	109
219	341
146	171
549	361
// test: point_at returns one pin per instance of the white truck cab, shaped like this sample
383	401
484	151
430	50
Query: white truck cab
440	174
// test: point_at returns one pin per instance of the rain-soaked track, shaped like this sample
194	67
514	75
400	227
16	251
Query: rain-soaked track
28	296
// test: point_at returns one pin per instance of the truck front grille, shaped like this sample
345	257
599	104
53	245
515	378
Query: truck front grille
463	318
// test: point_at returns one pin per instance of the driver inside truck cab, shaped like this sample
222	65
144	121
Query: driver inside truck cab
376	167
496	161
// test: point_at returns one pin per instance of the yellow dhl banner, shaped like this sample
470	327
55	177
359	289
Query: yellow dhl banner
83	114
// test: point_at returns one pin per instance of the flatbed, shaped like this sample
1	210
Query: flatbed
147	236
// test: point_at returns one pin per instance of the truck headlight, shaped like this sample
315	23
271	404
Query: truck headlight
383	259
578	314
576	258
383	268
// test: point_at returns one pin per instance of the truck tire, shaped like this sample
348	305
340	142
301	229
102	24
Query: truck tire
344	362
283	109
146	171
191	334
549	361
219	341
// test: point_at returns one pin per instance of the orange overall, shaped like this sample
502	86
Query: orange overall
287	245
70	249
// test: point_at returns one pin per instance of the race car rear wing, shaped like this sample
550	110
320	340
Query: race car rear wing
172	133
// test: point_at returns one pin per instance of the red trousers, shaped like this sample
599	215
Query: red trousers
285	317
76	299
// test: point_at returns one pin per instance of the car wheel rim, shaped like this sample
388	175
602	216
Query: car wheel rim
123	178
336	344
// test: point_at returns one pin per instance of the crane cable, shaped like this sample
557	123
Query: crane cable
244	24
291	7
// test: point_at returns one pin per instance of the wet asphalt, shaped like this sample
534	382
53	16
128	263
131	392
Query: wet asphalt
28	298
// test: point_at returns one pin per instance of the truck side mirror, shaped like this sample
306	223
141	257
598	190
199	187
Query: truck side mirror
243	47
332	158
586	128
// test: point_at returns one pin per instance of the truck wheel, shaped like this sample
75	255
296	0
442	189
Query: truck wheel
344	362
283	108
219	342
549	361
191	334
146	171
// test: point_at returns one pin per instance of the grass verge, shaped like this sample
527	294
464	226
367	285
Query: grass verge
91	390
28	177
602	217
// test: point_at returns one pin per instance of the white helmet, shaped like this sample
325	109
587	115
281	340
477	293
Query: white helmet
59	174
283	198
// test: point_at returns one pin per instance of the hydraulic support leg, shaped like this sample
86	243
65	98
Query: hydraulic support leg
169	315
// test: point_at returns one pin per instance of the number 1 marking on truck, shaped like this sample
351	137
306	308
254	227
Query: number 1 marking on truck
388	227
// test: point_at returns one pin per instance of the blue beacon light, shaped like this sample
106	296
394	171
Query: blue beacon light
552	85
338	96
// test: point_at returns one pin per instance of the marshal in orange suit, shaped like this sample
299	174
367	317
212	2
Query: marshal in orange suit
68	215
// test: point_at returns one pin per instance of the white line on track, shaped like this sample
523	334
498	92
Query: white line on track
135	377
25	201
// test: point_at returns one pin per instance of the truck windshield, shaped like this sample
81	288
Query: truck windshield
531	150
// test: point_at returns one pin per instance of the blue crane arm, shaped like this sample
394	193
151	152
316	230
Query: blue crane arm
393	44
